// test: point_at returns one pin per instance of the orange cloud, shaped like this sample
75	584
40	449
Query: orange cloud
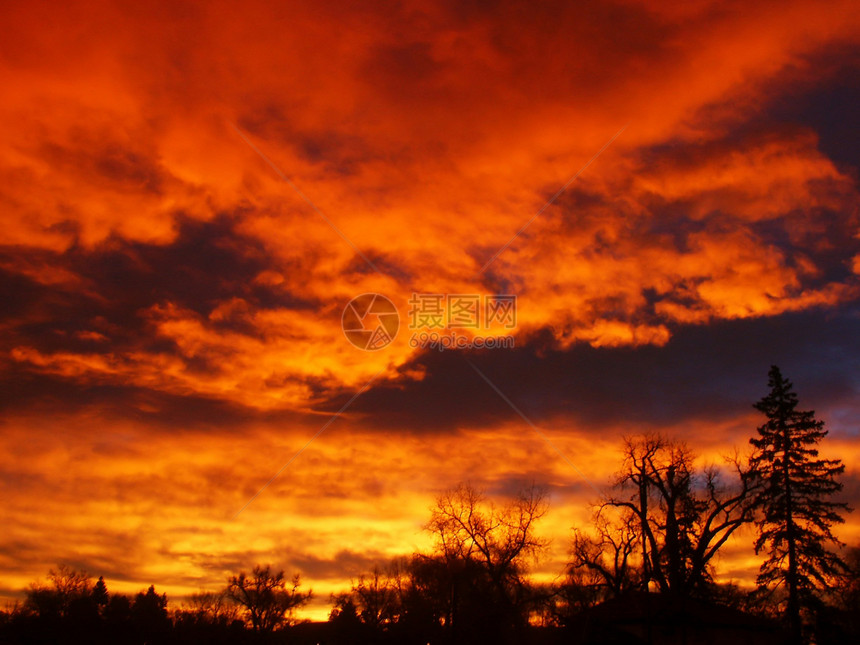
190	195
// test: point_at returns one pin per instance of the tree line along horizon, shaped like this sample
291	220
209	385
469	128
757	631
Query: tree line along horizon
658	530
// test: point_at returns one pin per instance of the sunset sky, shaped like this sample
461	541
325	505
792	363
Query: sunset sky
191	193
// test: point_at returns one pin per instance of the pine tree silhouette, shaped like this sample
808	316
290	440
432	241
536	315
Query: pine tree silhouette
100	594
797	512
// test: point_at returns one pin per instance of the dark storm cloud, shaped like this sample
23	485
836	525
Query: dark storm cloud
96	301
119	558
19	293
511	487
588	42
402	67
209	262
90	159
825	100
343	563
347	562
21	390
703	373
338	151
117	281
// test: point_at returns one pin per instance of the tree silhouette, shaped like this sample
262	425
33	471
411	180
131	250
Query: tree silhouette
797	513
406	600
211	607
846	602
376	598
485	550
149	615
347	626
68	588
118	608
71	609
682	516
605	562
427	598
265	598
100	594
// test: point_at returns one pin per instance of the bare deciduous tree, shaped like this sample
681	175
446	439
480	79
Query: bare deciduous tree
211	607
609	553
471	528
67	586
488	547
682	516
265	598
